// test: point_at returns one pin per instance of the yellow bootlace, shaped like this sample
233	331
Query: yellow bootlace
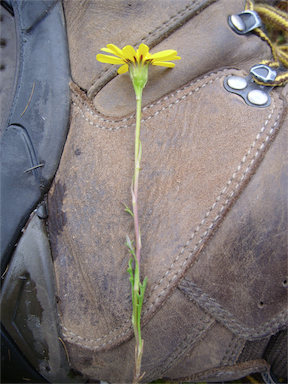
279	21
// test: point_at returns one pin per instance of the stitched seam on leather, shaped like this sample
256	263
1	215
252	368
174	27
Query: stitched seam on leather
73	335
196	247
239	345
243	368
227	355
171	96
209	304
179	15
202	326
232	351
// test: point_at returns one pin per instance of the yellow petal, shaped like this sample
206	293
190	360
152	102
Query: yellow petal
129	53
164	64
115	50
123	69
108	50
164	55
166	59
109	59
143	51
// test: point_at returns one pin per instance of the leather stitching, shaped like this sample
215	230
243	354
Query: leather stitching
94	114
210	305
242	369
235	347
198	332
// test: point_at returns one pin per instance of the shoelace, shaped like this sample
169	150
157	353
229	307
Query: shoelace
279	21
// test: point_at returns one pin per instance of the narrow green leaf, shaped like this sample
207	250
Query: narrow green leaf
130	269
127	209
140	298
128	242
131	278
142	292
130	246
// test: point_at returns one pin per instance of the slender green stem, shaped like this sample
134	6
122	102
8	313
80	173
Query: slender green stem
137	292
135	313
138	122
136	176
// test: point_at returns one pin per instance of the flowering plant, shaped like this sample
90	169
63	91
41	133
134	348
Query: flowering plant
137	63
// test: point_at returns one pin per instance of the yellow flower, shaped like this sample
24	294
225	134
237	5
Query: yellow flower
129	58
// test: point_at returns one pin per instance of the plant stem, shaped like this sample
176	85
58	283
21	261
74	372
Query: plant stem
136	291
136	176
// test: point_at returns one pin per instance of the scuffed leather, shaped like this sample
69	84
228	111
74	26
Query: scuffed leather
202	149
248	255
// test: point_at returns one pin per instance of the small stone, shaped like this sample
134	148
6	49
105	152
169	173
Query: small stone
257	97
237	82
42	211
237	22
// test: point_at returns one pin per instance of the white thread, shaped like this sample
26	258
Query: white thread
144	109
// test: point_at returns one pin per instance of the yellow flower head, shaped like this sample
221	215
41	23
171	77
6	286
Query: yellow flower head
137	62
128	57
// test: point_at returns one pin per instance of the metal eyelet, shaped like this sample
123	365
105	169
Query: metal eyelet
254	94
244	22
263	73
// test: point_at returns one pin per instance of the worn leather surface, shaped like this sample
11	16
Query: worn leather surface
8	65
28	307
202	149
37	123
252	239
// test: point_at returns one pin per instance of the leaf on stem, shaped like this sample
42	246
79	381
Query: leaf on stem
140	298
130	271
127	209
130	246
131	278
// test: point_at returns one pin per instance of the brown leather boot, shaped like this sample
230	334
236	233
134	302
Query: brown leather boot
212	199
